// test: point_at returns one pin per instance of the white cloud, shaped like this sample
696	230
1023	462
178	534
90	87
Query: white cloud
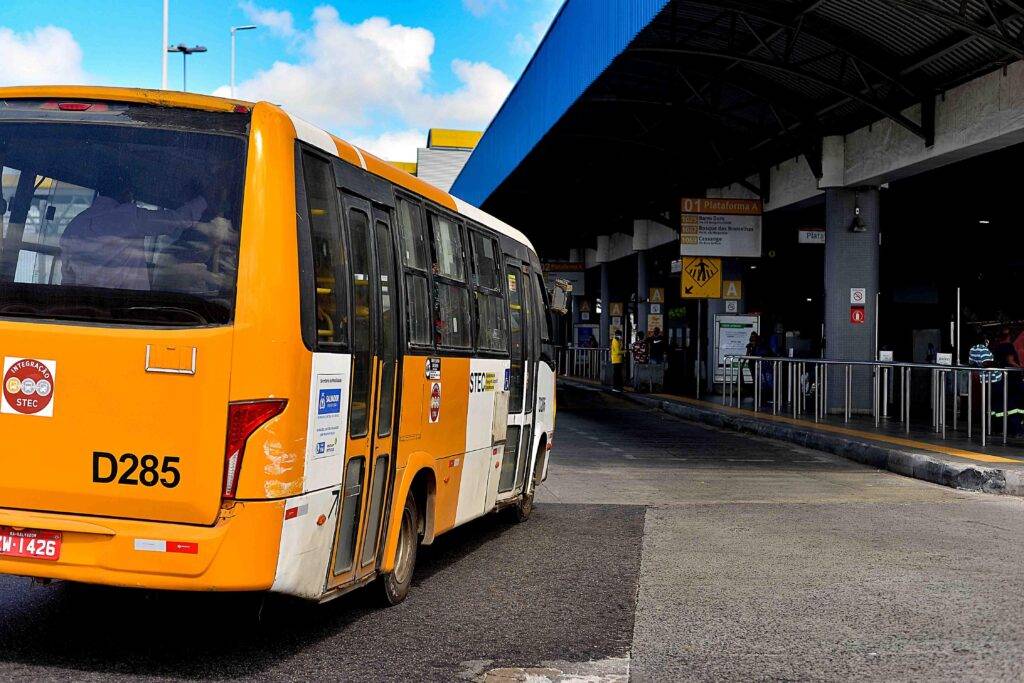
526	43
483	89
47	54
374	75
280	22
393	146
479	8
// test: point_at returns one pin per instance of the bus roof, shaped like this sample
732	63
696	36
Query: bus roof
303	130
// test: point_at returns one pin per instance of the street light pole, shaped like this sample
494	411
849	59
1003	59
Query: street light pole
235	29
163	48
185	52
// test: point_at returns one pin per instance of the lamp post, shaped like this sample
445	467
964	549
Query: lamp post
235	29
163	44
185	52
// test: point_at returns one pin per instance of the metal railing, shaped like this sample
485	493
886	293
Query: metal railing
582	361
795	382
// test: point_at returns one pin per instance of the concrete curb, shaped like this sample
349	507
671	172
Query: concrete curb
928	467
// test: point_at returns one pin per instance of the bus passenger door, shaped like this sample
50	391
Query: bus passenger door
365	474
381	470
520	409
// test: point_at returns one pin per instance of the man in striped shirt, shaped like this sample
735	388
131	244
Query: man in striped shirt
981	356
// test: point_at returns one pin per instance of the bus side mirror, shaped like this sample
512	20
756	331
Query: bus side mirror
560	296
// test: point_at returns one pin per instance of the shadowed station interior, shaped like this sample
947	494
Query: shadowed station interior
875	141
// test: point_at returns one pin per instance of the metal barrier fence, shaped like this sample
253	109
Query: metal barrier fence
583	362
795	382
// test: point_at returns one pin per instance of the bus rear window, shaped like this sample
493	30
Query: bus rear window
119	224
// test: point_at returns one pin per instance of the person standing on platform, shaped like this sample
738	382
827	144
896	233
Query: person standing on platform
617	355
657	347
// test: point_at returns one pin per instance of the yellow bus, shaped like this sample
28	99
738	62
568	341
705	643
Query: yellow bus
242	354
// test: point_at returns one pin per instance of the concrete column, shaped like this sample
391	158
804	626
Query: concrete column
851	261
606	318
642	306
603	256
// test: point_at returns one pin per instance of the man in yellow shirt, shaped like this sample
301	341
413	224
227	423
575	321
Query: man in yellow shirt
617	357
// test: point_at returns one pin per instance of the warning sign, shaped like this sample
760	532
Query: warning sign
857	315
28	386
702	278
732	290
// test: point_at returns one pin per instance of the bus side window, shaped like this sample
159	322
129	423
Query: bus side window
416	262
328	253
452	316
492	321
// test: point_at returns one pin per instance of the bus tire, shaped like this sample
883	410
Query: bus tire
522	510
395	584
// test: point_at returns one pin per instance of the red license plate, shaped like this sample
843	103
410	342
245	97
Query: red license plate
34	543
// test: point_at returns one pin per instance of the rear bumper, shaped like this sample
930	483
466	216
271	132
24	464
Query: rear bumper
237	553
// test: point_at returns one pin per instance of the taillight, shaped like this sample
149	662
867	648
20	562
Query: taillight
74	106
243	419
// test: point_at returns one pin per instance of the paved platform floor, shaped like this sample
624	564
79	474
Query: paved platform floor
660	550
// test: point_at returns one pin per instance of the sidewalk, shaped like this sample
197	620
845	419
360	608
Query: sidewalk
954	462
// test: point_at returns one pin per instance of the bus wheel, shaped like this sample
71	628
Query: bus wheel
522	510
395	585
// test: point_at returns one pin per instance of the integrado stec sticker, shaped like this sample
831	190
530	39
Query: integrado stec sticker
28	387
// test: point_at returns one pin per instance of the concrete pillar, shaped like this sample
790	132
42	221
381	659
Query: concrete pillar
642	305
603	248
851	261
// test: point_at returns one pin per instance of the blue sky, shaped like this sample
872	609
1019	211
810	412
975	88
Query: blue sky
379	72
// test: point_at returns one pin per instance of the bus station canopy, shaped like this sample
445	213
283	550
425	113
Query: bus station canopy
627	105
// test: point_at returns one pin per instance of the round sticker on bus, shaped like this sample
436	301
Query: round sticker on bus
435	402
28	386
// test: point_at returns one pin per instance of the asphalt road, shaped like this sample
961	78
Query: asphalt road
660	550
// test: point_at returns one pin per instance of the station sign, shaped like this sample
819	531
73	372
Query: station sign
732	290
574	273
720	227
811	236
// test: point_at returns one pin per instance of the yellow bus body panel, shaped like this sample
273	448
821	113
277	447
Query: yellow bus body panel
238	553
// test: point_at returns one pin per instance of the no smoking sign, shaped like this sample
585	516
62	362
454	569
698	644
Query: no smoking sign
28	386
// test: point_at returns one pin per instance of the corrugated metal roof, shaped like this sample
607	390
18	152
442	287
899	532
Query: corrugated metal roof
694	93
440	166
584	38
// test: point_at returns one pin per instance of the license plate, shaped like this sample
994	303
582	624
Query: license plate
34	543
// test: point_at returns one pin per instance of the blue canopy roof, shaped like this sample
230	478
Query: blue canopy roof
584	39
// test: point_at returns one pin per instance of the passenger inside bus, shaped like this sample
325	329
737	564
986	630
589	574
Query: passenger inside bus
105	245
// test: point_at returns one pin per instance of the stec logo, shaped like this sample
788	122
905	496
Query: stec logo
329	402
28	386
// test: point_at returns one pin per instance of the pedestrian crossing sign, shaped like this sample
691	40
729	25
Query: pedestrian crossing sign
702	278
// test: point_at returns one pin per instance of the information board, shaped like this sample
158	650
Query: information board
720	227
732	334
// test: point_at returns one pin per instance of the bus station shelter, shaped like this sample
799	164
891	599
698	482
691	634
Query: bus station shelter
878	140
